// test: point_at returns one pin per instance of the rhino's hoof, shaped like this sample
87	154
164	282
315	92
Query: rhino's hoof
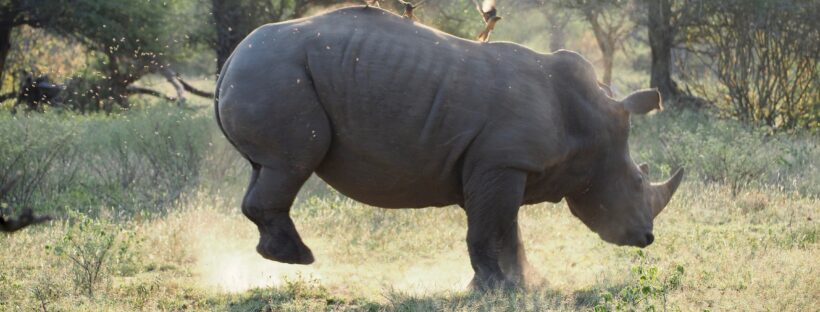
285	249
492	284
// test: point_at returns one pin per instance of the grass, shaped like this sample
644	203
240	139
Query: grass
727	241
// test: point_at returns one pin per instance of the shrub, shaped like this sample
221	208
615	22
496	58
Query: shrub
145	160
223	165
725	151
764	60
95	249
646	290
46	289
33	149
142	160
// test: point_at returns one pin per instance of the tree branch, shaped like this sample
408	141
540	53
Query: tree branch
171	77
181	86
26	218
7	96
194	90
140	90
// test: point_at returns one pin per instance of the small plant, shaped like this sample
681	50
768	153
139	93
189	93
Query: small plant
645	292
46	290
93	247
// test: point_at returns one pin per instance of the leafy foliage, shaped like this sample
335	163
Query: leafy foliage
32	150
725	151
138	162
646	291
764	56
95	249
123	40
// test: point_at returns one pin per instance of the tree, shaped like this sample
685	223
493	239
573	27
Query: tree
127	40
667	22
15	13
764	58
235	19
557	18
610	22
457	17
661	40
558	21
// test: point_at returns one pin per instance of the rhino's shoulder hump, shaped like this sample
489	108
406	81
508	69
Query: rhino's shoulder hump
574	65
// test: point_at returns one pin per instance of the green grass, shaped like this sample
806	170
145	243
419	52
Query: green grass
729	240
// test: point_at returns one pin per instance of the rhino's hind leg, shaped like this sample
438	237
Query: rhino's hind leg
267	203
284	153
280	126
279	173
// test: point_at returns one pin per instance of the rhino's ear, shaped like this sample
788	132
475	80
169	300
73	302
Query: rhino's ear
644	168
642	101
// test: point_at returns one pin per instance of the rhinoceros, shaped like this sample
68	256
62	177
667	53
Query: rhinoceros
395	114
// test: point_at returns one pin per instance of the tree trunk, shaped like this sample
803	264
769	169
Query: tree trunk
226	22
558	21
5	47
608	52
661	40
606	43
235	19
558	38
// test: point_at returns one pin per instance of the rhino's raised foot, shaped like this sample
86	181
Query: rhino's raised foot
285	247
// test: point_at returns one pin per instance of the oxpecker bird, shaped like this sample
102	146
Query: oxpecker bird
409	7
490	16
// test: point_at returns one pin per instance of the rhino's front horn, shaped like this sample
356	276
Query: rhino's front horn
662	192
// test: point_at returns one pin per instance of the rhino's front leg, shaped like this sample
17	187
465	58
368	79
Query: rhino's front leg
513	259
492	199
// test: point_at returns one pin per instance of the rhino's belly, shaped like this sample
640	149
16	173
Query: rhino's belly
380	180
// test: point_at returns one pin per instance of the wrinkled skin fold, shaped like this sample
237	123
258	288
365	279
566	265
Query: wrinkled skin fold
398	115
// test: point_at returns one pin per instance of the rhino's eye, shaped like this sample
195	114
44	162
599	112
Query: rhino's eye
639	179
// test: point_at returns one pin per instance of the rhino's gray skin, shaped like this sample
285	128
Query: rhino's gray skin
398	115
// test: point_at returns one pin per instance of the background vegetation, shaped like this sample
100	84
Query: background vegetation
145	191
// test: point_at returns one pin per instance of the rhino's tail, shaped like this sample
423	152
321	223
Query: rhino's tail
254	165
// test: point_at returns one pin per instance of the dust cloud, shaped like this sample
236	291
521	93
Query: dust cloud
226	261
233	268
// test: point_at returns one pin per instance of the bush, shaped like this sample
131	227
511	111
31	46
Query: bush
32	150
763	58
46	289
95	249
145	161
647	291
139	161
725	151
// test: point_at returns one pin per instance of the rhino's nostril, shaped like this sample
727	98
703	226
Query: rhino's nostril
649	238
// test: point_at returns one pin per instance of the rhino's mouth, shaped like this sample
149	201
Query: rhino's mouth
639	239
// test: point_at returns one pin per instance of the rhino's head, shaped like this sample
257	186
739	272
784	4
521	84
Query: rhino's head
618	202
